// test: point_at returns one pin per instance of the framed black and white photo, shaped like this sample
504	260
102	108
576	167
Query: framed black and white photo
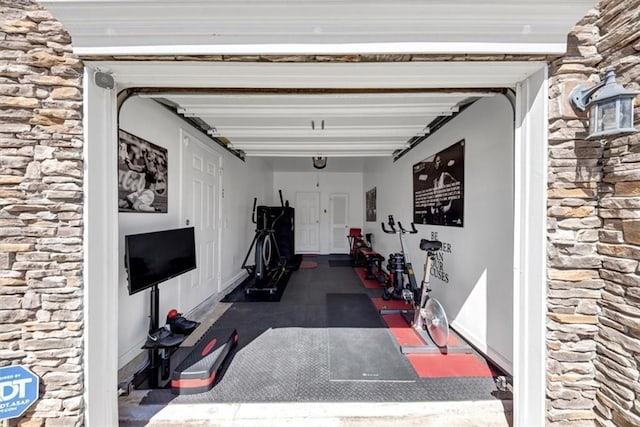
438	188
371	205
142	175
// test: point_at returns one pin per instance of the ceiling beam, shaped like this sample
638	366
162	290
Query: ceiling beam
360	132
313	112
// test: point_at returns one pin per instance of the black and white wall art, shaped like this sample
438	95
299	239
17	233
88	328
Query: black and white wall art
142	175
438	188
371	205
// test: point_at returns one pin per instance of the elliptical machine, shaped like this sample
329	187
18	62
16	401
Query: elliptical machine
428	313
269	265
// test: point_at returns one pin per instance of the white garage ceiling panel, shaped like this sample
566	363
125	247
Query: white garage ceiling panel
332	125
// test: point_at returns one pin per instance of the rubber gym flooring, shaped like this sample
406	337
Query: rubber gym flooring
324	341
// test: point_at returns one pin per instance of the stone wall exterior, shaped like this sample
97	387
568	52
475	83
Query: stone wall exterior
618	341
594	233
41	173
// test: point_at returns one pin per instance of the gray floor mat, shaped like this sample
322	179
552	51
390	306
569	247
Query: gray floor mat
283	354
360	346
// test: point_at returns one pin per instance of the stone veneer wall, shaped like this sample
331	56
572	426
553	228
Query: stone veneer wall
594	234
41	172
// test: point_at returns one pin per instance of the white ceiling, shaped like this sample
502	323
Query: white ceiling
327	125
277	110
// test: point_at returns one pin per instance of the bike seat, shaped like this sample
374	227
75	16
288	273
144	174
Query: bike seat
430	245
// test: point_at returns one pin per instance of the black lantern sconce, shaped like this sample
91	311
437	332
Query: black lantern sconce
610	110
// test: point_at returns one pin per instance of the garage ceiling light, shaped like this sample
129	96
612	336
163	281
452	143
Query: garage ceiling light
319	162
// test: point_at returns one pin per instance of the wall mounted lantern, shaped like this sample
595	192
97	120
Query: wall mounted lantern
610	110
319	162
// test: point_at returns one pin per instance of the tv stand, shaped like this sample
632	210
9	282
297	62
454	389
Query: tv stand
187	370
159	369
154	304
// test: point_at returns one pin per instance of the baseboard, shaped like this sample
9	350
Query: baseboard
232	283
483	348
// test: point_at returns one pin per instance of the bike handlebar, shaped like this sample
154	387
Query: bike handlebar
392	227
412	231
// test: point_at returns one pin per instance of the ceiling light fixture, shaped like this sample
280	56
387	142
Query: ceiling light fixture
319	162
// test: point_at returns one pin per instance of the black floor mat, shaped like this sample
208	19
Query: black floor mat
239	294
360	346
340	263
295	262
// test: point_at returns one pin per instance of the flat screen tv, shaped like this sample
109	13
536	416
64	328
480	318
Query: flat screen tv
152	258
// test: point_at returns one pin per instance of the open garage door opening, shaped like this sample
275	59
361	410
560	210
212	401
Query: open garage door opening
490	149
331	336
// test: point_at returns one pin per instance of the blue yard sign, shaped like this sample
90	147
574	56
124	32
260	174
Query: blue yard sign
18	390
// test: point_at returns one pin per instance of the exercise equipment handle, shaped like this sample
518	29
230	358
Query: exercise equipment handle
281	201
392	226
412	231
253	210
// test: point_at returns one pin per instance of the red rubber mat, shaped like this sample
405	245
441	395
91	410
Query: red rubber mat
449	365
362	275
393	304
436	365
308	264
406	335
402	332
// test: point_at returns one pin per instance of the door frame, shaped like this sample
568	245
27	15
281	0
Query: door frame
101	228
188	137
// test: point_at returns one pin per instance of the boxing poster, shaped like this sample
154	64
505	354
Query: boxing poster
438	188
371	205
142	175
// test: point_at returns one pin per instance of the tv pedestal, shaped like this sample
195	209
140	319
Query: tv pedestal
159	371
188	370
162	347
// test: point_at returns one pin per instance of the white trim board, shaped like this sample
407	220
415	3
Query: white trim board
282	27
318	75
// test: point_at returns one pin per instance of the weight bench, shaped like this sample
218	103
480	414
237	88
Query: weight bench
356	242
372	262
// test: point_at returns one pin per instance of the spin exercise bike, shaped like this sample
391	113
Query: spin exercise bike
428	313
269	265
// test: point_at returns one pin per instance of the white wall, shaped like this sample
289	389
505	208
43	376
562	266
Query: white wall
326	183
152	122
478	298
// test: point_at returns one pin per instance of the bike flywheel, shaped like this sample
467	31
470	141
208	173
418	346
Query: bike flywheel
436	323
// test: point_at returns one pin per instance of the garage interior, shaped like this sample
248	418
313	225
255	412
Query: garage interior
153	121
285	351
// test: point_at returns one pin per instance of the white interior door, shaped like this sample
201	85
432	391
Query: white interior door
307	220
339	207
200	208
